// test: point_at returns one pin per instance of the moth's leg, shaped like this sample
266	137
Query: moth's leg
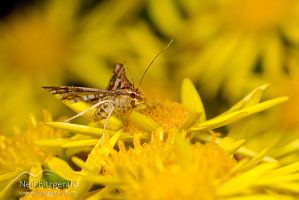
106	123
88	109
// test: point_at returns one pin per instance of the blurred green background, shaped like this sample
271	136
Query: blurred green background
227	47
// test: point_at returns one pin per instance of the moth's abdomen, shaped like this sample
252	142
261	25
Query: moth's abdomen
103	110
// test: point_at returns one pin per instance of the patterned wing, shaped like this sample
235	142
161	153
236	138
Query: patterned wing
77	94
119	79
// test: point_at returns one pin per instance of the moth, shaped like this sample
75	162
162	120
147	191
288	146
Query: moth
120	96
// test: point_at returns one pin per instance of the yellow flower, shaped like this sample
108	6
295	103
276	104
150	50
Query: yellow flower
169	115
176	169
278	127
167	170
162	150
19	155
19	146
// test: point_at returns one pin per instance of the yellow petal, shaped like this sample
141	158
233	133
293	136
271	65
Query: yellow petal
36	174
250	153
80	129
191	99
265	105
287	149
257	159
245	180
231	146
250	99
80	143
92	160
51	142
61	168
220	120
77	161
230	117
143	122
269	180
193	118
294	167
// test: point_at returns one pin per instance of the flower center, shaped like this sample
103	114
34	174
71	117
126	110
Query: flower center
169	114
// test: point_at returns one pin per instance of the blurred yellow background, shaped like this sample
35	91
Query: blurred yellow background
227	47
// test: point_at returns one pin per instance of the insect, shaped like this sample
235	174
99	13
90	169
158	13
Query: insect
120	96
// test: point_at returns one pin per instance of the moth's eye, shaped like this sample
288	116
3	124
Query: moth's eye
133	95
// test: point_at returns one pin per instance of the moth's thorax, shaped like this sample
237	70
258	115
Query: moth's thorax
129	99
122	103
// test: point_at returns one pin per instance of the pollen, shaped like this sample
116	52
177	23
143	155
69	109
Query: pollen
167	170
168	114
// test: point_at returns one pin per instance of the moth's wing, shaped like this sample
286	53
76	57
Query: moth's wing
77	94
119	79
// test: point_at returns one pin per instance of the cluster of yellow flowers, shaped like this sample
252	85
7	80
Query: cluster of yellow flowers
175	149
171	152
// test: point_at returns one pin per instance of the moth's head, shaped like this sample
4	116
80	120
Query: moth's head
138	99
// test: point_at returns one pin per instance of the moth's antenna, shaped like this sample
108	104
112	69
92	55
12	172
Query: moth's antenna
161	51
